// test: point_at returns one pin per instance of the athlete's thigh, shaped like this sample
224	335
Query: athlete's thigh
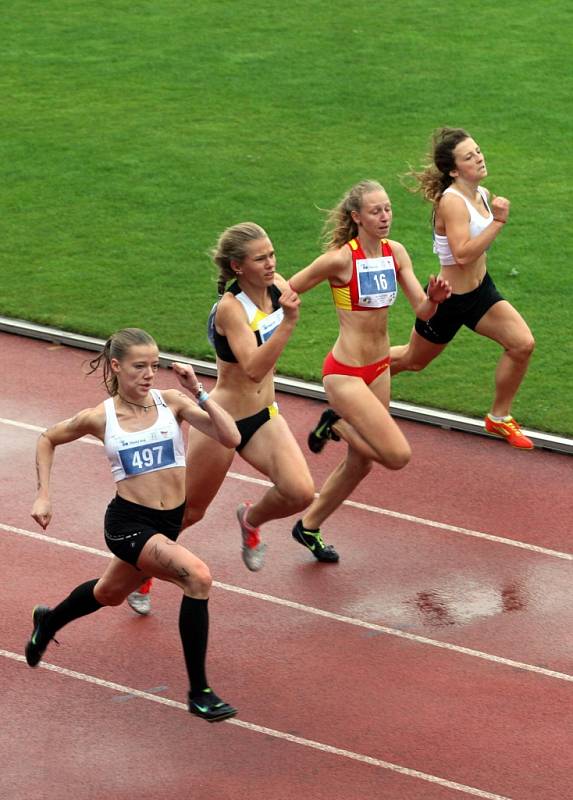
366	408
207	465
162	558
274	451
421	351
504	324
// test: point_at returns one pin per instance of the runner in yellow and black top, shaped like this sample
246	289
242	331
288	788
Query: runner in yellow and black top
364	270
250	326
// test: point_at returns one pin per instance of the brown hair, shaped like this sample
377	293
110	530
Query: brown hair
117	346
435	177
339	227
232	246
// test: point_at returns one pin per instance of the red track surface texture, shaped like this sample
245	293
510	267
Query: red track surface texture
434	662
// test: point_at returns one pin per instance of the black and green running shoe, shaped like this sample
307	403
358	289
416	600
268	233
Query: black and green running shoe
208	706
312	540
41	637
319	436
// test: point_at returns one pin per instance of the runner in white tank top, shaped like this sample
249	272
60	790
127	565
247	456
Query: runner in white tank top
140	428
466	223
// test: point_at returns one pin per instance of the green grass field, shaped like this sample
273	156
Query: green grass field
135	132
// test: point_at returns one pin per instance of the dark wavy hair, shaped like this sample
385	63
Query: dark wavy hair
434	178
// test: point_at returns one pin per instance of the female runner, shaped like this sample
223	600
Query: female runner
250	326
364	269
465	225
140	428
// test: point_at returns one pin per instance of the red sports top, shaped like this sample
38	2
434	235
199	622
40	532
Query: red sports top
373	283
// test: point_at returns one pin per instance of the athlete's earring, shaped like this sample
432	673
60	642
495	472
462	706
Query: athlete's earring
238	272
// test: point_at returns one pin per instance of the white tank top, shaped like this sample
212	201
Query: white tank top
478	223
133	453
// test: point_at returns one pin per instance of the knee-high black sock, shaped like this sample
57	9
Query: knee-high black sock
194	630
78	603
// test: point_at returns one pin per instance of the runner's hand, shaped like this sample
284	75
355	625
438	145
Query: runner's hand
500	208
290	303
42	512
186	376
438	289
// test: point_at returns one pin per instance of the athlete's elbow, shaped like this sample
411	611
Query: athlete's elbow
255	373
463	259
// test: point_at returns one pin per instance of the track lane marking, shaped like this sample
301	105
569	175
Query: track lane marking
429	523
250	726
319	612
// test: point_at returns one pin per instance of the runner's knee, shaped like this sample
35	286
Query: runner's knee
523	350
199	581
398	458
299	495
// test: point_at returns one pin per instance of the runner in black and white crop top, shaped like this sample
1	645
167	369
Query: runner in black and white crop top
131	453
263	325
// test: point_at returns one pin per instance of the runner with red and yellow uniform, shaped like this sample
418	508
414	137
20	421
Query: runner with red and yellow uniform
364	269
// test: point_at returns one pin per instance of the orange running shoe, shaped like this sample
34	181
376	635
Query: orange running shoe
509	430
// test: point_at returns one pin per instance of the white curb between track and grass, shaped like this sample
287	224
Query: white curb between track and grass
432	416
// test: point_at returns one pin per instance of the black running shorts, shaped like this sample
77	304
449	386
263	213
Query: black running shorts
459	309
128	526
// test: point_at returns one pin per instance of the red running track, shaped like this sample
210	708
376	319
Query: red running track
434	661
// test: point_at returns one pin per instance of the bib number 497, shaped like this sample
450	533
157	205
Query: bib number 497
147	457
144	458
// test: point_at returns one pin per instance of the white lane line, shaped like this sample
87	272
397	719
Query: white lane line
288	737
331	615
465	531
429	523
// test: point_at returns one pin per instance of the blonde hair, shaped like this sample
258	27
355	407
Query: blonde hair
339	227
232	246
434	178
117	346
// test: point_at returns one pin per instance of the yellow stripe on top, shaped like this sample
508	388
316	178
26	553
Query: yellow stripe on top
341	297
254	323
341	294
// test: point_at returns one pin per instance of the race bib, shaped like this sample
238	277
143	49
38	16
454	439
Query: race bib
145	458
376	281
268	325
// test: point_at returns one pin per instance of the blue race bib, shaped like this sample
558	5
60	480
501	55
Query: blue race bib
147	457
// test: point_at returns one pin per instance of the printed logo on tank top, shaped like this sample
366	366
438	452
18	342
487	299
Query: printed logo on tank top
376	279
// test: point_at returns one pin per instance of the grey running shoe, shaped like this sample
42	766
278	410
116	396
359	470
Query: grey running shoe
210	707
253	550
140	603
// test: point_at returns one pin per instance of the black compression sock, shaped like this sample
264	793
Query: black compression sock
78	603
194	631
